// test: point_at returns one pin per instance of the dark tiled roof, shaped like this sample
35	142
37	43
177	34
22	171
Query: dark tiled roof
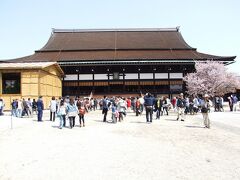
120	44
116	39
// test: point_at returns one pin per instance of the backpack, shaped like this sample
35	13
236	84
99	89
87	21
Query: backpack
137	103
82	111
180	103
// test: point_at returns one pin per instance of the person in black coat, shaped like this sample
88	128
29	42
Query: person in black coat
158	107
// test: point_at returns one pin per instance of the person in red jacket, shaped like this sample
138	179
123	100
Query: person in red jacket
129	103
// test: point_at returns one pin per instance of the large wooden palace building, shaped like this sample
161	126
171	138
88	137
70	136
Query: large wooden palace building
120	61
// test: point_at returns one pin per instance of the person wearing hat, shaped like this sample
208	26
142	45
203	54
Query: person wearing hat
180	107
40	108
205	107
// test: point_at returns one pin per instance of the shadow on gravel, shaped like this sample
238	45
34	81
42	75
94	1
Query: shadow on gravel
65	127
170	119
139	122
54	126
100	121
38	121
107	122
194	127
43	120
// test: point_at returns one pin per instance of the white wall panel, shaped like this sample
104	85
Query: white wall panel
176	75
100	76
161	75
71	77
131	76
86	77
146	76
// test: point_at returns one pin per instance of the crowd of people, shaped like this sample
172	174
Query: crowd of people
161	106
66	108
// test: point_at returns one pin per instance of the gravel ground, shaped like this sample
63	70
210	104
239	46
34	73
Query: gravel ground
132	149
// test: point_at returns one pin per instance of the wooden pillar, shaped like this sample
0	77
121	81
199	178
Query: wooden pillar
184	86
139	79
108	88
124	88
169	89
154	81
78	83
93	79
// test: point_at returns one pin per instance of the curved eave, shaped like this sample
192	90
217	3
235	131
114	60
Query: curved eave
224	60
123	62
116	49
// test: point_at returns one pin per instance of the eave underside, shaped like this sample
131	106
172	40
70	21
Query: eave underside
119	57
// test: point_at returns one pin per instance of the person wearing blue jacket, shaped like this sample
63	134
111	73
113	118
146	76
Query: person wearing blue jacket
149	102
72	112
40	108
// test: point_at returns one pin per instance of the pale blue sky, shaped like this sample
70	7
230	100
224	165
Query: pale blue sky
211	26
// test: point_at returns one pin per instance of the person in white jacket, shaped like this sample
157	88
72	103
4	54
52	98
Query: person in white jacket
19	108
53	108
205	108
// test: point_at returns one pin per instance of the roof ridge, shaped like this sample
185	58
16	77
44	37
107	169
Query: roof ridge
176	29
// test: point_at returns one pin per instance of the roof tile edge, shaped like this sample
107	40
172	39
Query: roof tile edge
114	30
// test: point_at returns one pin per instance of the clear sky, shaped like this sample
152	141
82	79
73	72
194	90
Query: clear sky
211	26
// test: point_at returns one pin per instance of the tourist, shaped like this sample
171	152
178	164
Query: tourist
95	103
62	114
25	108
29	104
186	105
230	103
129	103
191	105
138	104
174	103
221	104
158	107
14	108
1	106
81	114
34	106
205	107
133	103
195	105
72	112
115	114
234	102
53	108
148	103
141	99
121	108
40	108
165	105
104	108
19	108
180	107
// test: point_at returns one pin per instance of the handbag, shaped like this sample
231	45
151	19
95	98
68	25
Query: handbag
72	114
59	114
204	110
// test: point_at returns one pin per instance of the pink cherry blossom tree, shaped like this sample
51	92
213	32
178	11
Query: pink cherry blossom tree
211	78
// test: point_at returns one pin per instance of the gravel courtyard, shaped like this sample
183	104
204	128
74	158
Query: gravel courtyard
164	149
